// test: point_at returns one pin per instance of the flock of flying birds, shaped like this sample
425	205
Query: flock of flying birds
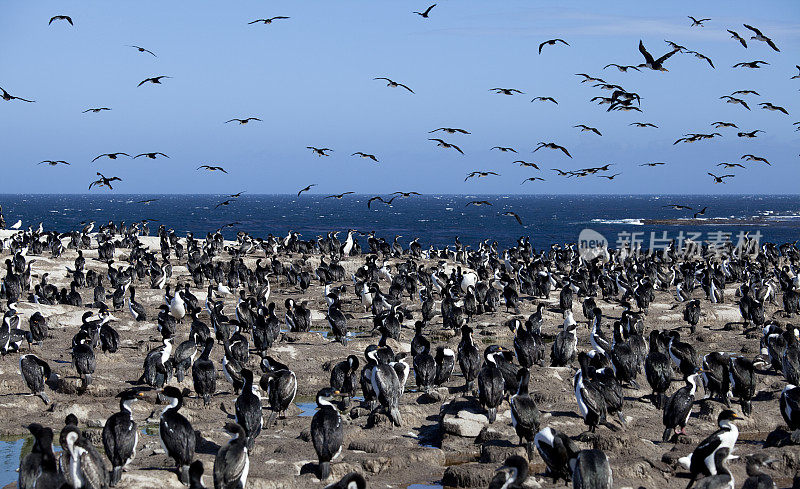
620	99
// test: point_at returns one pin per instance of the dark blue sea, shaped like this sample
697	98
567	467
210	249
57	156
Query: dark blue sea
435	219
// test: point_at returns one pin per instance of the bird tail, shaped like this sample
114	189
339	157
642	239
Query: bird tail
470	386
394	414
667	435
44	397
492	414
179	374
324	470
529	449
87	380
183	474
116	475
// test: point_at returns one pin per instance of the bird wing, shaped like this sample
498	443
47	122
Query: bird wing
758	32
540	46
564	150
97	158
400	84
666	56
235	463
647	56
428	10
457	148
144	81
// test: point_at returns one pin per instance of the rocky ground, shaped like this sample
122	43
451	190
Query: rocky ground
445	438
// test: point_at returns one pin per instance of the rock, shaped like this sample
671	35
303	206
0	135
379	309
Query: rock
462	427
467	475
490	433
473	416
497	452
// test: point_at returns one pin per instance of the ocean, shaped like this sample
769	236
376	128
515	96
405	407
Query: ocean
435	219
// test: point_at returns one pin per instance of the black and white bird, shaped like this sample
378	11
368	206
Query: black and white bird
327	432
204	374
80	462
280	384
176	433
557	450
702	460
511	475
353	480
591	470
344	376
386	385
232	463
248	409
337	319
38	468
790	406
525	415
490	382
678	408
121	434
469	358
35	372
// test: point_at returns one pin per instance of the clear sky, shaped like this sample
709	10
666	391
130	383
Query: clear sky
310	79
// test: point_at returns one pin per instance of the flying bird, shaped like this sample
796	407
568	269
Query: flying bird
697	22
427	11
451	130
551	42
701	56
103	181
700	213
585	128
678	207
505	91
755	158
338	196
552	146
152	156
111	156
405	194
750	64
145	202
588	78
306	189
95	110
512	214
212	168
480	174
445	145
319	151
61	17
735	35
731	165
750	134
8	97
733	100
527	163
650	62
142	50
501	148
795	77
770	106
675	45
478	203
54	163
622	68
532	179
721	178
377	197
610	177
545	99
365	155
746	92
267	21
155	80
226	202
392	83
238	194
643	124
244	121
655	164
720	124
761	37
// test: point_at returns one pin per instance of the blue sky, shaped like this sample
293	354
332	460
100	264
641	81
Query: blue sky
310	79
